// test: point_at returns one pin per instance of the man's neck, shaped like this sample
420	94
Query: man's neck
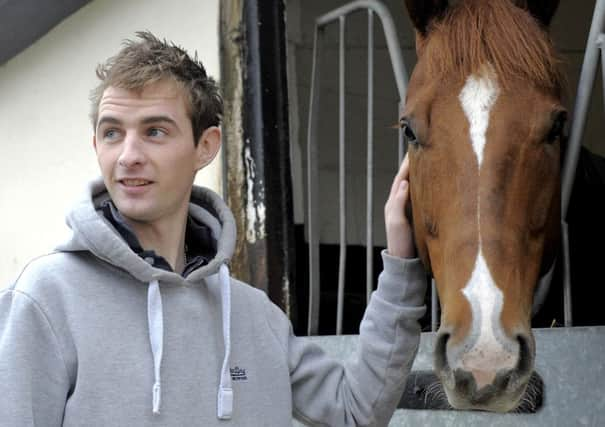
166	237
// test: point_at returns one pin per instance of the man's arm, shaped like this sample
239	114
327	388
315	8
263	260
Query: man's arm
367	389
33	376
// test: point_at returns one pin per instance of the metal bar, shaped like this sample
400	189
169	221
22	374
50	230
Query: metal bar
601	44
342	188
269	258
401	77
587	77
370	163
312	186
585	85
401	80
567	305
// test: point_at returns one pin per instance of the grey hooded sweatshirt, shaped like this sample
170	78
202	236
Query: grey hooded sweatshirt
93	335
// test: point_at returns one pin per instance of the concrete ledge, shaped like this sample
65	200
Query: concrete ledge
571	362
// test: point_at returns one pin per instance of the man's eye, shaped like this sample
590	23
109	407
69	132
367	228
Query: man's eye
110	134
155	132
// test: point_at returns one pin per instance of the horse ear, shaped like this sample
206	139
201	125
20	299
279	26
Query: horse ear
542	10
422	12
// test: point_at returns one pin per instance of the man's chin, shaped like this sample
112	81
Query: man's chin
138	214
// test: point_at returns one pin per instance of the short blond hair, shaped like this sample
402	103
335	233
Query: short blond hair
148	60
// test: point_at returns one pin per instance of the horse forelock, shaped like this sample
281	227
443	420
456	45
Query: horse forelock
473	33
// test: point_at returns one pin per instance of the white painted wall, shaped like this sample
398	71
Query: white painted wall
46	153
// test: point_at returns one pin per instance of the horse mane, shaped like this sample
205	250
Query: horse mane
475	32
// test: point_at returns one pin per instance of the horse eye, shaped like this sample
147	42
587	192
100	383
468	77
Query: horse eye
556	130
407	131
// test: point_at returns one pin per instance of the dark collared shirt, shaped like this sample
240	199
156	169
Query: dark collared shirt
200	247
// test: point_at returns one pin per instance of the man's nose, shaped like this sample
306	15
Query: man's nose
132	151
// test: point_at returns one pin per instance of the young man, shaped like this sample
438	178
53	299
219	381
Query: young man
135	321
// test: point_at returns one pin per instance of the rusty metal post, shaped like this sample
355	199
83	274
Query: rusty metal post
258	182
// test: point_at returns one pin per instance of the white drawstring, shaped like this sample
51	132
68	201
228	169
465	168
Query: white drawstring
225	392
156	339
155	318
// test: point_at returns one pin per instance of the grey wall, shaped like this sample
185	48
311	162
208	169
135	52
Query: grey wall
569	29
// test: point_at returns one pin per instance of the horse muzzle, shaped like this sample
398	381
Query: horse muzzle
482	379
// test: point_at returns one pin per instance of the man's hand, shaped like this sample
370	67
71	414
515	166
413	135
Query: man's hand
400	242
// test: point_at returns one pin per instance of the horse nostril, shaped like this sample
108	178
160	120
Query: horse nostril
465	383
503	379
440	352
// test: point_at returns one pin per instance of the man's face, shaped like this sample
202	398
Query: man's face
144	145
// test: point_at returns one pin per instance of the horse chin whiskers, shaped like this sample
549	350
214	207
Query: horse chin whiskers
521	396
435	396
531	399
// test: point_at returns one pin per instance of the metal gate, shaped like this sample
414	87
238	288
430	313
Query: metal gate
373	8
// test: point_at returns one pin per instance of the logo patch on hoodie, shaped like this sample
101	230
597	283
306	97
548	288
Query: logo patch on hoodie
238	374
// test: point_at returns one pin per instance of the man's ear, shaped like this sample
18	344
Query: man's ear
208	146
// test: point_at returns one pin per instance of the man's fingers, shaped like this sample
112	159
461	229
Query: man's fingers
401	195
402	174
404	187
398	199
404	169
398	228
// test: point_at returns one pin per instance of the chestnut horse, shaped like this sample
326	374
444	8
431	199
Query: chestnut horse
483	118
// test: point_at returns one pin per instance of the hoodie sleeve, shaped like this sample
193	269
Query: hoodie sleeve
34	383
366	389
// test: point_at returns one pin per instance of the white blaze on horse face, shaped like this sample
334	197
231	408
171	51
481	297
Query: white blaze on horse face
486	350
478	97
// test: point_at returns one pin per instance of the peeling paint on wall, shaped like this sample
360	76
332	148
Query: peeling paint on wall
255	206
286	294
232	39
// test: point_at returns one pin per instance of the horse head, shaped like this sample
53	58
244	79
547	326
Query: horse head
483	118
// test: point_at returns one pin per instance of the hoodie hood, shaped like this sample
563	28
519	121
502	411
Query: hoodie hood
91	232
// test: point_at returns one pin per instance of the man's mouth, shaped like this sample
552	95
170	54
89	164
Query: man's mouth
135	182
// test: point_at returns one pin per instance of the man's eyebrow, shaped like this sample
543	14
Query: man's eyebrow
156	119
147	120
108	119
